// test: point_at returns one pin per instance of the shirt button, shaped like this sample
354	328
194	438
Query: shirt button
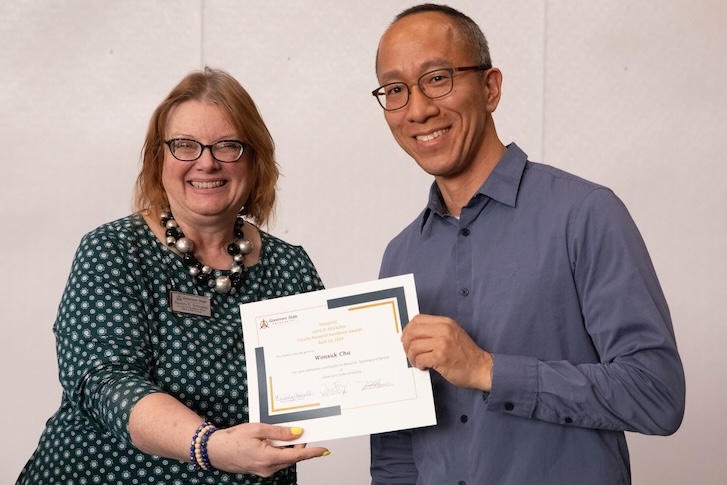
509	406
464	291
463	418
461	482
465	232
568	420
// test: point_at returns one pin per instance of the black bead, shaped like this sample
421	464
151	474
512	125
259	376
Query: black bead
233	249
171	232
190	259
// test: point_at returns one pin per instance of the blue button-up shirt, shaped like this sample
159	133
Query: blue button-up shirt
547	272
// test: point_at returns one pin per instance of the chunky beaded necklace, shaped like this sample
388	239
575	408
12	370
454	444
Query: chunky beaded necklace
203	274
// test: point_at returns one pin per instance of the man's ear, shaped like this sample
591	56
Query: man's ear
492	80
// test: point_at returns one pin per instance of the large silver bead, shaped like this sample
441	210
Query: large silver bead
184	245
172	223
244	245
194	271
223	284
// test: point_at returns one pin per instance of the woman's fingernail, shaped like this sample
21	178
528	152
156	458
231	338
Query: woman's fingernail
326	453
296	430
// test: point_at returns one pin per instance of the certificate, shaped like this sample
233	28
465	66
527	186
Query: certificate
332	362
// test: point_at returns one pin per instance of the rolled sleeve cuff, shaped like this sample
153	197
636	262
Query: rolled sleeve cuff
514	385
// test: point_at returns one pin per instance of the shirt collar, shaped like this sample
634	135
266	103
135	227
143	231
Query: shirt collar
501	185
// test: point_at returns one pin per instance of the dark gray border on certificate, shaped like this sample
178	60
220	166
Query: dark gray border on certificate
262	378
397	293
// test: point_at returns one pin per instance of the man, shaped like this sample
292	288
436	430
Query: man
542	318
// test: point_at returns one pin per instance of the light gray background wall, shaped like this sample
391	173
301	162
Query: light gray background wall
629	94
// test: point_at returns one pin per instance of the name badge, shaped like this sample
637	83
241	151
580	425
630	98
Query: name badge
193	304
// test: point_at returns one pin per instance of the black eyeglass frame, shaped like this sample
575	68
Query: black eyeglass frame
243	147
378	94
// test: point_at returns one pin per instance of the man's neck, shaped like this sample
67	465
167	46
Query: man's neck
458	190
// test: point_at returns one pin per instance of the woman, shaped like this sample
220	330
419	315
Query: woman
148	332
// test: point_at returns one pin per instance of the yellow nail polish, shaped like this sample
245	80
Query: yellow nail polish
326	453
296	430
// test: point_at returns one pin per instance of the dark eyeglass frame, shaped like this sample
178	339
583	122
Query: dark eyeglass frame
202	146
380	92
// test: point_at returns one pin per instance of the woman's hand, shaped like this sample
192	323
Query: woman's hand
160	425
246	448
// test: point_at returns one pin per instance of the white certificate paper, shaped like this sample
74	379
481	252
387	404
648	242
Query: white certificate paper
331	361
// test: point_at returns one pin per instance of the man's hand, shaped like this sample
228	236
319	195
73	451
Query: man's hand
439	343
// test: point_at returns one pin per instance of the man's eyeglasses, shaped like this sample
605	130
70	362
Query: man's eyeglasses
186	150
433	84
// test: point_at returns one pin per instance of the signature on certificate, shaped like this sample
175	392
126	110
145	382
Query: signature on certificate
375	384
293	397
334	388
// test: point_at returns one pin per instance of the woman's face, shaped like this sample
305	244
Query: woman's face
204	189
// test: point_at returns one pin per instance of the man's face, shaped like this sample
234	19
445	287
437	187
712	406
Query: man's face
444	135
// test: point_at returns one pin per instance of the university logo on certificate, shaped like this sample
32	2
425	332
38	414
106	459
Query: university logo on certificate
332	362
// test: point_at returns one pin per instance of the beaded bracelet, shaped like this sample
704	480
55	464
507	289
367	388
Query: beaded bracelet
198	448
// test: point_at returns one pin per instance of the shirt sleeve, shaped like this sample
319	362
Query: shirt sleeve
392	459
638	384
102	335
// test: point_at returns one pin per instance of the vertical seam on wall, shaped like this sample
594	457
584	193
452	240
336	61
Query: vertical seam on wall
201	34
543	82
